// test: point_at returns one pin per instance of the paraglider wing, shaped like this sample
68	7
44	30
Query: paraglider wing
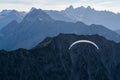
83	41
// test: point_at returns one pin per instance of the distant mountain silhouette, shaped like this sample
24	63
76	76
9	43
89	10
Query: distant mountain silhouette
87	15
52	60
7	16
37	25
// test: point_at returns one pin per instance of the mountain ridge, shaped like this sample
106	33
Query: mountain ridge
7	16
83	61
85	14
28	34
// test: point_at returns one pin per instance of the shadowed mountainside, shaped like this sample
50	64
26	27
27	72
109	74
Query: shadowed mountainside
52	60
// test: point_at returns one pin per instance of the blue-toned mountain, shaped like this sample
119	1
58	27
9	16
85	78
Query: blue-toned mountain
7	16
37	25
87	15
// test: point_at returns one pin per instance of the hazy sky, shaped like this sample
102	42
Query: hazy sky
111	5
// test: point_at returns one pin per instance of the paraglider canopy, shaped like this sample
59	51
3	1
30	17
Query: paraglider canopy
83	41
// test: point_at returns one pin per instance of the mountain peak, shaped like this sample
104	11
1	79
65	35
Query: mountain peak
14	12
32	9
70	8
89	8
37	14
7	12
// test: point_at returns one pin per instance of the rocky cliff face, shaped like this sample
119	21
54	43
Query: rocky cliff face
52	60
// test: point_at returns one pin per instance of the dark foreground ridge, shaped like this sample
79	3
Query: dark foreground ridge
52	60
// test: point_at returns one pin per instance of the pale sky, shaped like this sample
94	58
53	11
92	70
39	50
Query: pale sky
25	5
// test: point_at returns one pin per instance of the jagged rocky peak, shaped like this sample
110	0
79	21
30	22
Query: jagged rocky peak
8	12
88	7
37	14
16	13
81	7
33	8
69	8
7	16
12	12
5	11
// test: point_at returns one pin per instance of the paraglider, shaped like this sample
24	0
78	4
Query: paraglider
83	41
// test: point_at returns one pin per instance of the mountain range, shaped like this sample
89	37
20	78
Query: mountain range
37	25
52	60
7	16
87	15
